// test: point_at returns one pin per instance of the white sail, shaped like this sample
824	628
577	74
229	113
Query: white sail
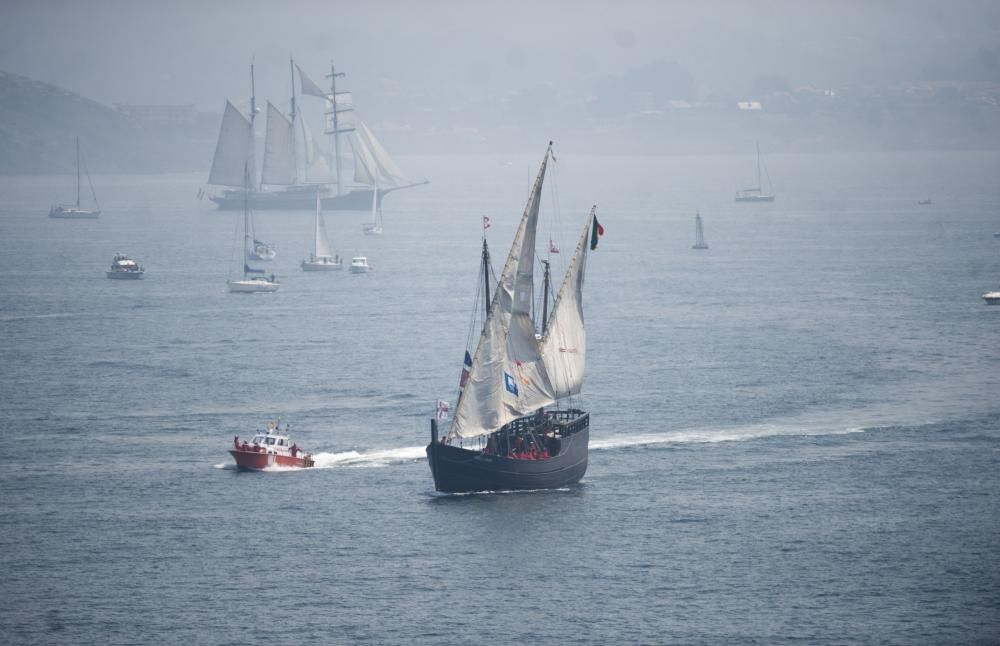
234	150
318	163
508	378
279	150
371	158
321	243
564	346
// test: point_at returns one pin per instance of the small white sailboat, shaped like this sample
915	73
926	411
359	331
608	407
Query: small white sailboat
756	193
74	211
699	233
322	257
359	265
374	227
253	280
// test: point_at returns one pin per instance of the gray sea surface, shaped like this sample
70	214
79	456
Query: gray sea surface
795	435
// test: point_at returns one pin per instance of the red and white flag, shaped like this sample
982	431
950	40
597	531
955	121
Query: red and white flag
442	410
552	247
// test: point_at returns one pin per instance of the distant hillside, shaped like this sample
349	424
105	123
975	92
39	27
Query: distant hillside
39	121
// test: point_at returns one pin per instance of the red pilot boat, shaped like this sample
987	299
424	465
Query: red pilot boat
269	449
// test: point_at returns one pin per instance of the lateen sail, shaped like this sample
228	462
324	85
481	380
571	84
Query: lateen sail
279	150
564	347
508	378
234	150
371	158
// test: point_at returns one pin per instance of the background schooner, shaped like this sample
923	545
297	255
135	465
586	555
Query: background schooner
295	166
502	437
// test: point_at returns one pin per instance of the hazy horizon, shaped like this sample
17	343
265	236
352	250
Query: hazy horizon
187	52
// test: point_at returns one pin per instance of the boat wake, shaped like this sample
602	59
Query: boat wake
696	436
372	458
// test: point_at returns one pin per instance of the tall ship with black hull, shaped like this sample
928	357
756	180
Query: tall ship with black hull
504	435
296	167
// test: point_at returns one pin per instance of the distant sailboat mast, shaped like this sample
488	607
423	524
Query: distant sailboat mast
336	130
78	172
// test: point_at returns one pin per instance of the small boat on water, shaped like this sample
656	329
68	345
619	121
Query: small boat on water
504	436
270	448
322	257
699	233
925	202
261	251
124	268
992	298
75	211
253	280
756	193
359	265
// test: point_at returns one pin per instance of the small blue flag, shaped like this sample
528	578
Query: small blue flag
510	383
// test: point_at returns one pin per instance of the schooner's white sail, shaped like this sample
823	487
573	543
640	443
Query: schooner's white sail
318	165
279	150
508	378
564	346
371	160
234	150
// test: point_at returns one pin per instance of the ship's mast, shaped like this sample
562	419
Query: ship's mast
759	185
78	172
295	158
253	117
336	130
486	278
545	298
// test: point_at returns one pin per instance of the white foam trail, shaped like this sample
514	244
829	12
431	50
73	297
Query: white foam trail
373	458
225	466
694	436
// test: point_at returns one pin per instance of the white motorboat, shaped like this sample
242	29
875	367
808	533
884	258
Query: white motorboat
124	268
261	251
359	265
992	298
322	257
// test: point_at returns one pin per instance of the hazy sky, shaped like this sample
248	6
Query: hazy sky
199	52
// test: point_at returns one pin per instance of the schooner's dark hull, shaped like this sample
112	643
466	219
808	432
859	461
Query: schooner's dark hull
303	198
459	470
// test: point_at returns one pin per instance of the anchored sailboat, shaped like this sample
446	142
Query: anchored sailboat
514	441
74	212
322	257
699	233
253	279
756	193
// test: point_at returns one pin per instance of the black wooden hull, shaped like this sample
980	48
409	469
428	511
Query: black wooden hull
458	470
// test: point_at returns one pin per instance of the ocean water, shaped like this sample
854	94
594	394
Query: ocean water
795	434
